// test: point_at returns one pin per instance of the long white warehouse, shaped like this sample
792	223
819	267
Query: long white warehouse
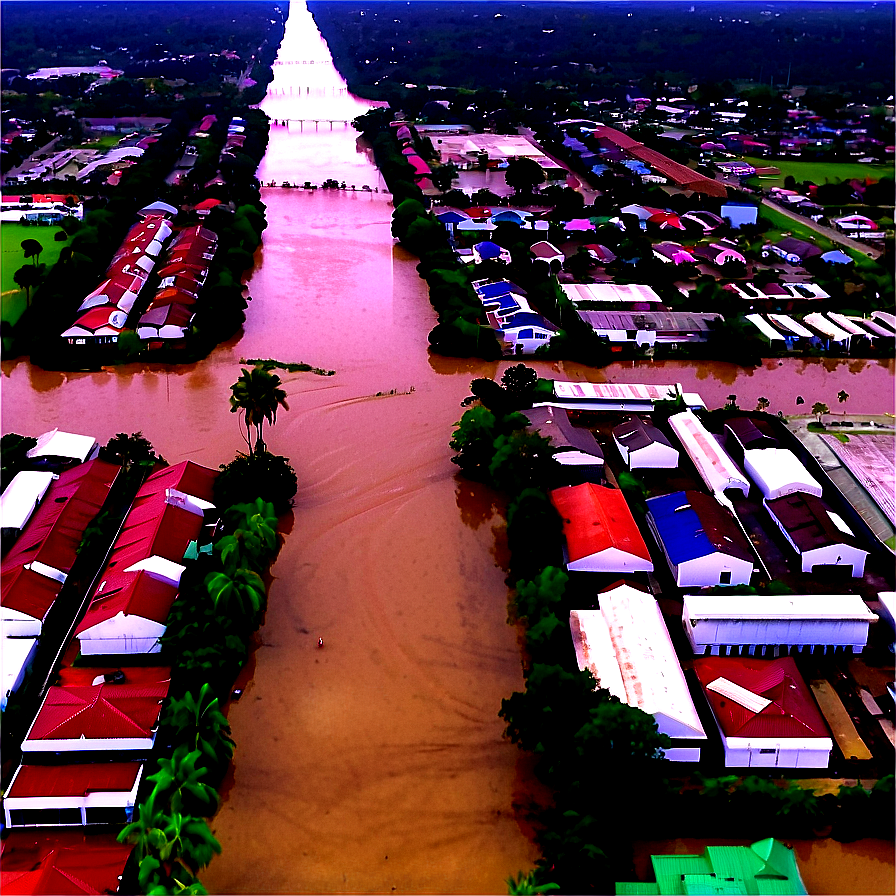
716	623
626	646
715	466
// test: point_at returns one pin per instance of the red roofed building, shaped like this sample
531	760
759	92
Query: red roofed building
64	863
34	571
679	174
108	718
765	712
599	530
136	589
68	795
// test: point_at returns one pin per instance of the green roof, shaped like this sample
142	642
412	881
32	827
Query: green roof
766	867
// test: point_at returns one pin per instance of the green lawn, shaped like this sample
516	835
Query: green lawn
107	141
12	302
817	172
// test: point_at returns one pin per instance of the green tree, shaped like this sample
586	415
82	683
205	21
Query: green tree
27	277
762	403
199	723
842	396
237	591
31	248
526	884
179	780
258	395
523	174
519	383
820	409
521	459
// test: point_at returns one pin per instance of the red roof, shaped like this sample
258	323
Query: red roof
187	477
103	711
792	712
154	528
131	593
53	534
74	780
173	295
63	863
170	313
101	316
207	204
595	519
183	270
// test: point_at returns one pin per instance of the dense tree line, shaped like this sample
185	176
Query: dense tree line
590	48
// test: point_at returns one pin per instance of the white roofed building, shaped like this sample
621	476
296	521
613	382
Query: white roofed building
21	497
715	466
778	472
720	623
626	646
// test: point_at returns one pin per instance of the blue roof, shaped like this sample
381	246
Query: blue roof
508	215
491	290
529	319
488	249
681	532
501	303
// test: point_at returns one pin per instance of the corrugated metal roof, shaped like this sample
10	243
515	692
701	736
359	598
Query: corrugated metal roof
127	710
635	433
791	713
74	780
751	432
596	519
778	471
554	423
713	464
693	525
809	522
132	593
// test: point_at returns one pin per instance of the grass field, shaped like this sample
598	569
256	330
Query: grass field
817	172
12	302
107	141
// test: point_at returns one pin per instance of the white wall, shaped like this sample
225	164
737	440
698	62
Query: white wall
708	570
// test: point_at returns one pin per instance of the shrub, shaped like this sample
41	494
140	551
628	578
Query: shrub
260	475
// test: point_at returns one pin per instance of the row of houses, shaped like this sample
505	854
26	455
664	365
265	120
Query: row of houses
831	332
84	754
178	260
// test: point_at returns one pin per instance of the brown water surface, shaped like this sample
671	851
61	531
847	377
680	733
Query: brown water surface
375	764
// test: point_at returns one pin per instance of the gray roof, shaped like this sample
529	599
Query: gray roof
660	321
554	423
635	434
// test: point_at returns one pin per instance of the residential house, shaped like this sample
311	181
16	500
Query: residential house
599	531
631	397
773	337
650	327
792	250
795	334
525	331
110	718
56	449
642	446
72	795
718	254
47	864
820	537
626	646
765	713
488	251
700	539
575	445
673	253
831	334
547	252
20	499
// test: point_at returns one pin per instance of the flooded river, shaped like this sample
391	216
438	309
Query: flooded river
375	764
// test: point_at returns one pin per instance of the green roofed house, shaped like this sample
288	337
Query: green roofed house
764	867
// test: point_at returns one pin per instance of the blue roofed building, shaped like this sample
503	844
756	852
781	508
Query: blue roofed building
700	539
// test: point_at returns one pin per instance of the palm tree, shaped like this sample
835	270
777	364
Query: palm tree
258	394
199	723
27	277
526	884
236	590
762	403
179	778
842	397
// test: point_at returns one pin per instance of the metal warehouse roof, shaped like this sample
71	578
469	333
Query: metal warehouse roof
636	433
693	525
627	647
554	423
810	523
788	606
778	471
792	711
713	464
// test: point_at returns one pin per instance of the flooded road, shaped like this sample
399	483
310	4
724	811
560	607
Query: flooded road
375	764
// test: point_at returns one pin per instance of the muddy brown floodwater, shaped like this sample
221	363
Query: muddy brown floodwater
375	764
